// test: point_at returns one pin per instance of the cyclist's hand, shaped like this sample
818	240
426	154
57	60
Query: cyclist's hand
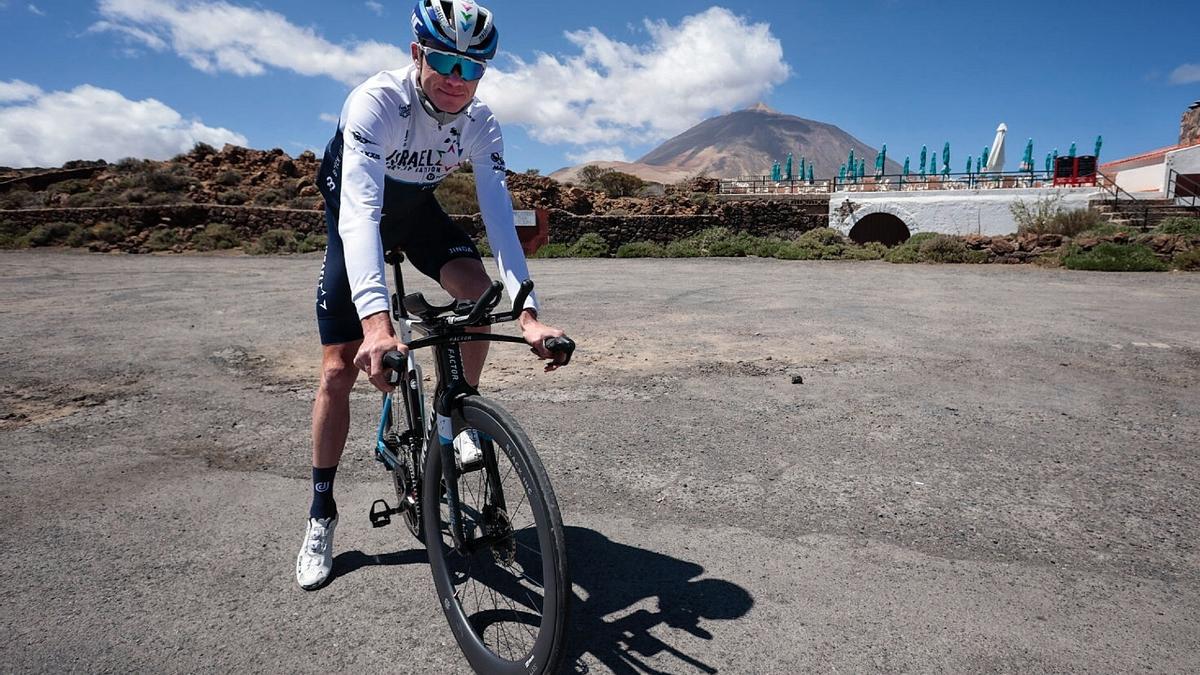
379	338
535	333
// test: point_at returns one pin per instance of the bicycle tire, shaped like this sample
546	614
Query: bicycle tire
510	570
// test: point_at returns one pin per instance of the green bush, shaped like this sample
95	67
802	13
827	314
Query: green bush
590	245
619	184
1179	225
943	249
232	198
50	234
791	250
485	249
903	254
869	251
275	241
1110	257
8	241
822	236
641	249
1188	260
166	180
456	193
312	242
108	232
21	197
553	251
216	237
163	240
229	178
1036	217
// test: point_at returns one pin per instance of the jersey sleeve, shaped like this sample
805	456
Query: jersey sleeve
364	134
495	205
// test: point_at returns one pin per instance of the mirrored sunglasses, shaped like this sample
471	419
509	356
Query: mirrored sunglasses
445	62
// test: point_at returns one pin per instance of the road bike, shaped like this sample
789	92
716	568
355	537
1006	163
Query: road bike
489	519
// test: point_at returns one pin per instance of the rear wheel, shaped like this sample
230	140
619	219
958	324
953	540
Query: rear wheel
505	598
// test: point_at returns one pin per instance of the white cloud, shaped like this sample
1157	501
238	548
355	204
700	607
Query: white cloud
326	117
619	93
1186	74
223	37
48	129
17	90
605	154
375	7
609	94
34	8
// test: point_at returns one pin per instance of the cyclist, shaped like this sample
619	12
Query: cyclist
399	135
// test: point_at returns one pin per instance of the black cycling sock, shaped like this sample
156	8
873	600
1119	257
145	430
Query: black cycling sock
323	505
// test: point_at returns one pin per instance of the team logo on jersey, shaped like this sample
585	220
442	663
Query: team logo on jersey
405	110
362	139
498	162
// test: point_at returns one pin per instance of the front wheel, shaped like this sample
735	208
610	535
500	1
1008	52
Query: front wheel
506	597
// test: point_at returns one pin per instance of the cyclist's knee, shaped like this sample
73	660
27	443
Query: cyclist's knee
338	374
464	278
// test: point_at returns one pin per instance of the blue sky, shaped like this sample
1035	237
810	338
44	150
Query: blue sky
111	78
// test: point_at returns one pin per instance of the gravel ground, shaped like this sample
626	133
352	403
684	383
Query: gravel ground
983	469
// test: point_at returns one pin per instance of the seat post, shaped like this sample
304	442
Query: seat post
394	257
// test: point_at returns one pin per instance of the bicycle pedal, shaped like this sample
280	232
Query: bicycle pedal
380	517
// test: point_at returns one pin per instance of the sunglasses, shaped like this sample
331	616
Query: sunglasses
445	63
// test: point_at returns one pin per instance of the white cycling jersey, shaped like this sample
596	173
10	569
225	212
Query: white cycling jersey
387	149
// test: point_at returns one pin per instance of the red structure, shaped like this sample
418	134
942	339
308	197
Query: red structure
1073	171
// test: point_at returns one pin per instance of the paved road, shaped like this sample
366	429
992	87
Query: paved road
984	469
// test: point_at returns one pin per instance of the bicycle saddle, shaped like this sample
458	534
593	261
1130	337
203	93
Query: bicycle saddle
416	303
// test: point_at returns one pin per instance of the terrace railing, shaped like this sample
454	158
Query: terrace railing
764	185
1184	189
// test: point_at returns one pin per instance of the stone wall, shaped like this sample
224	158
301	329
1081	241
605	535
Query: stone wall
763	217
249	222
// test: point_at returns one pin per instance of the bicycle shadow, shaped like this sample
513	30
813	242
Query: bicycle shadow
616	577
349	562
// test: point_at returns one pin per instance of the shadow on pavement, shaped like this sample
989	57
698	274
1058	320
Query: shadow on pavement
349	562
617	577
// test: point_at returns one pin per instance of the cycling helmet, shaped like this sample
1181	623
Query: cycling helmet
461	26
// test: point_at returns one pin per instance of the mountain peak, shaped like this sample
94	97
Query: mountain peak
761	107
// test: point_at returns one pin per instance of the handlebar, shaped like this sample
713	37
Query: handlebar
560	345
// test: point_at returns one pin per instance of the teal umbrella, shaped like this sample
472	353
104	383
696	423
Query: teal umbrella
878	164
1049	163
1071	152
921	166
851	165
983	159
842	174
946	159
788	170
1027	160
933	164
862	168
802	168
775	173
1054	162
810	173
1099	142
969	159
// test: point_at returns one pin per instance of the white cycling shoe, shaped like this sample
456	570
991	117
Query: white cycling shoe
315	561
467	452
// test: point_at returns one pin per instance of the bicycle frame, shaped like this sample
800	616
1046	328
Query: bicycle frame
451	386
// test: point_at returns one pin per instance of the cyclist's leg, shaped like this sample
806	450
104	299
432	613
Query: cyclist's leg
341	335
331	409
442	251
465	278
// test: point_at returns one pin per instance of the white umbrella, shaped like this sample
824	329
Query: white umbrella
995	162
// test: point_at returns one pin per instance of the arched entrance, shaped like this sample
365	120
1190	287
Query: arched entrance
882	227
